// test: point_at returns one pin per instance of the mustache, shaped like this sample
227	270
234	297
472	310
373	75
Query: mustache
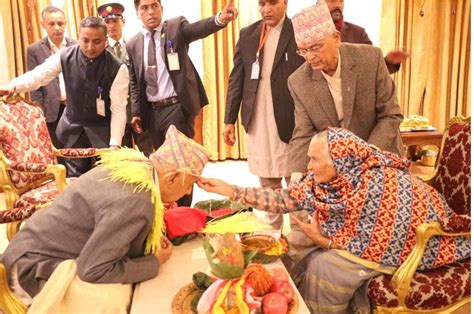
336	10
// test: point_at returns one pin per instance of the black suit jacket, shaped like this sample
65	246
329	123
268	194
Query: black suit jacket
242	90
186	81
49	95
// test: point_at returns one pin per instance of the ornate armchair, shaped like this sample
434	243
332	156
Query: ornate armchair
9	303
445	289
30	176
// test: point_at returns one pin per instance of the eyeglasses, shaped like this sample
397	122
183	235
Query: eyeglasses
313	49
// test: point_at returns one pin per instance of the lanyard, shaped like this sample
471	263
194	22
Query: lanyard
263	37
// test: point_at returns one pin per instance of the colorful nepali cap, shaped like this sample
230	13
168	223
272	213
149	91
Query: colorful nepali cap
313	24
111	11
180	151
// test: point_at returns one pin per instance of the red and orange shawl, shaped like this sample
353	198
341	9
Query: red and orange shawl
374	206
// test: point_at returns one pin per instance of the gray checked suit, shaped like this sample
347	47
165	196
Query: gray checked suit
103	225
370	105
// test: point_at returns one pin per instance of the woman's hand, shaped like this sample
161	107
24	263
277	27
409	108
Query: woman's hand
312	230
216	186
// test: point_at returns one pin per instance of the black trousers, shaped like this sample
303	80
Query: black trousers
78	166
52	131
159	122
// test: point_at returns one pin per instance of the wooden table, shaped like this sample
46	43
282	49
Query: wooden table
156	295
412	141
422	138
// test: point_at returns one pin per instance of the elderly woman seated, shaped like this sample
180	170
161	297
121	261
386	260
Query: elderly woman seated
365	208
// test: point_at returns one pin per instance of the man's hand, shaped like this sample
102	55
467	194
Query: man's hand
163	254
229	134
137	124
215	186
396	56
6	90
228	12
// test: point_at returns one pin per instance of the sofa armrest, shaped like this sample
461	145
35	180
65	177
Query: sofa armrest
402	277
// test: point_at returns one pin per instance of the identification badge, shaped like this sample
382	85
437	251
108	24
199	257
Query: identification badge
255	71
100	107
173	61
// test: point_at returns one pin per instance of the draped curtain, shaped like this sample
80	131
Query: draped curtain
75	11
435	80
22	26
218	52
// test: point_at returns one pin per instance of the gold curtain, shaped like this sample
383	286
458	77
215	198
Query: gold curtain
22	26
435	80
75	11
218	51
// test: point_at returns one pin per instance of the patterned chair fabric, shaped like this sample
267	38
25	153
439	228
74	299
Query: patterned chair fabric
449	284
24	140
429	290
17	214
454	168
40	197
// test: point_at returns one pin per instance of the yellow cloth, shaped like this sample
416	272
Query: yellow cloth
64	292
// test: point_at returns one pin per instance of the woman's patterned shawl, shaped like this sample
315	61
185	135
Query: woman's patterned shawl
374	206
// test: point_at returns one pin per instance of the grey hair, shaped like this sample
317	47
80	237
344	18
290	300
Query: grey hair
51	9
321	136
93	22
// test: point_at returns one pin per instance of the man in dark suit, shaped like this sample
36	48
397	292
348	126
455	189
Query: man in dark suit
112	14
97	86
164	84
352	33
52	97
265	102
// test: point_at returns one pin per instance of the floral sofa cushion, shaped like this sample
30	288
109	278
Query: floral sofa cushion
429	290
24	139
453	179
42	196
17	214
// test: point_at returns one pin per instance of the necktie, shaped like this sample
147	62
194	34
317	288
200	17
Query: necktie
118	49
151	73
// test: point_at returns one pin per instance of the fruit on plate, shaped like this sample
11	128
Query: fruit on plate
279	274
274	303
258	278
283	287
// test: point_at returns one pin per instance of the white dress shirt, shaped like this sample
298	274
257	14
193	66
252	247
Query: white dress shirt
165	85
62	87
335	87
51	68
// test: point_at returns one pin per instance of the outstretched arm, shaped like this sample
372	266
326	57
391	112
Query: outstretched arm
274	201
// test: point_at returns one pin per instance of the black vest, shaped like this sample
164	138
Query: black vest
85	79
